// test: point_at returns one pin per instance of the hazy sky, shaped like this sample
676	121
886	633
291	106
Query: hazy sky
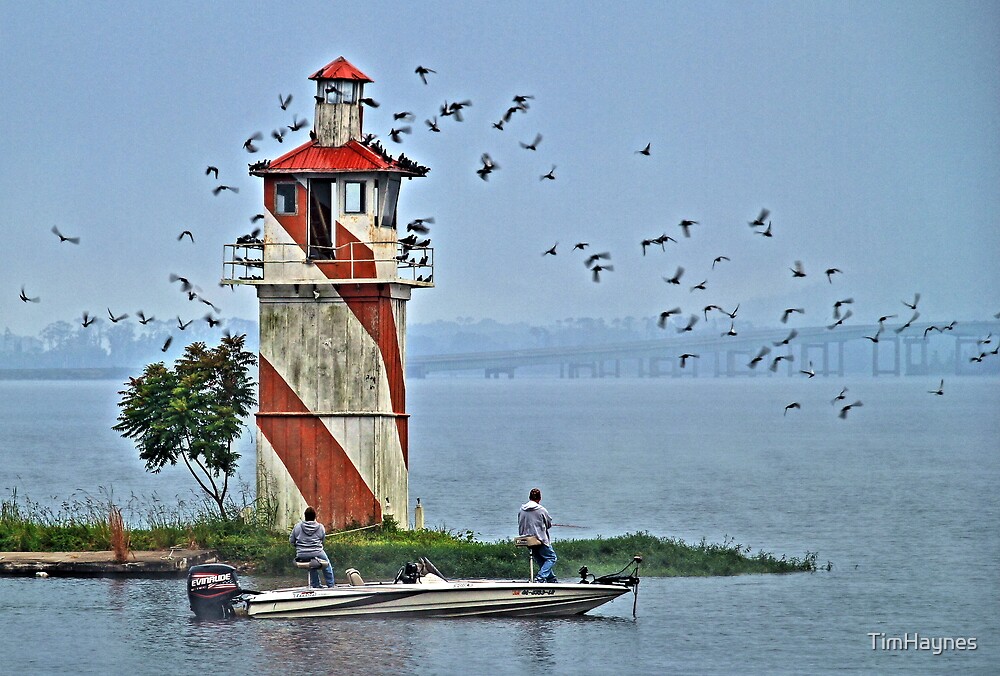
870	130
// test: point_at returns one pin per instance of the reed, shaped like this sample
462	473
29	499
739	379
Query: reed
119	535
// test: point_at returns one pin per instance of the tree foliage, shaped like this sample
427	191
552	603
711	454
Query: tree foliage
192	412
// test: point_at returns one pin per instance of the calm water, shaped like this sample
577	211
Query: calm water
900	497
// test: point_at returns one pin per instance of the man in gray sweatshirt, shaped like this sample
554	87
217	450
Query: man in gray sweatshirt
307	537
533	519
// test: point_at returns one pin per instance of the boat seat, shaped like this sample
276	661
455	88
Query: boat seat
309	563
354	577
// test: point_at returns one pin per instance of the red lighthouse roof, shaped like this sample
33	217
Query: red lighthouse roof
352	156
340	69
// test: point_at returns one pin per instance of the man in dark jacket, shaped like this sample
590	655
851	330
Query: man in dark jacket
307	537
533	519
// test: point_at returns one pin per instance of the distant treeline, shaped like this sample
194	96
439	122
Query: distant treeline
65	345
62	345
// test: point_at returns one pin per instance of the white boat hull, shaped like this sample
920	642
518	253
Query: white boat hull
456	598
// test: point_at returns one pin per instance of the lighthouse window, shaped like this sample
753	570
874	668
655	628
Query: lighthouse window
354	197
284	198
339	91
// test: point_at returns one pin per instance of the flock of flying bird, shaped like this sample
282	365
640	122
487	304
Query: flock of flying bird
596	263
761	225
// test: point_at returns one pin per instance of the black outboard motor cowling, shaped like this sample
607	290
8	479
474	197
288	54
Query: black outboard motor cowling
211	589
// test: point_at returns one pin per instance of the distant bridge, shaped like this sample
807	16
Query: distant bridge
903	353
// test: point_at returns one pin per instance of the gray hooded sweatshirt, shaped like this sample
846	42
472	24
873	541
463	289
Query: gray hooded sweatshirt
533	519
307	536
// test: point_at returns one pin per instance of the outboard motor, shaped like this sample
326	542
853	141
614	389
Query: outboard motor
211	589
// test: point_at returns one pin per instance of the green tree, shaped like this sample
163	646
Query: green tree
192	412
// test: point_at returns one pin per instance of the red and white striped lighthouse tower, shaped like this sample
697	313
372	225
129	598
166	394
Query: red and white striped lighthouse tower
332	279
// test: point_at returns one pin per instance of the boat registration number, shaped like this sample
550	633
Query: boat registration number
534	592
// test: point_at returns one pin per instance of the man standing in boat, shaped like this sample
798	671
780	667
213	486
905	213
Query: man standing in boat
534	521
307	537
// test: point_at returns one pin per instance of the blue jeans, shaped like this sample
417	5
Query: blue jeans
546	558
327	572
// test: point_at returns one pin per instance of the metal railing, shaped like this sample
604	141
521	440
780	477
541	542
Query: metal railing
256	262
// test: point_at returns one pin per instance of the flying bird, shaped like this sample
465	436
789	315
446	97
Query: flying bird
87	319
830	272
687	355
692	320
779	358
760	220
907	325
218	189
788	339
188	233
581	246
874	338
685	225
394	134
700	286
710	307
370	102
422	72
212	170
764	351
731	331
248	144
810	371
488	166
839	304
404	115
664	316
143	319
185	282
792	405
533	145
839	397
551	175
295	125
644	151
597	271
183	325
283	101
676	279
64	238
719	259
731	315
25	299
166	343
791	310
798	270
115	320
766	232
845	409
841	320
278	135
212	321
593	258
552	251
939	391
432	125
913	306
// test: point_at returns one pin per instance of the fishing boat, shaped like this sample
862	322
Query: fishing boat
418	589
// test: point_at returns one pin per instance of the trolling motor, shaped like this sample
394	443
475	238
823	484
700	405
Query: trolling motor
626	577
212	588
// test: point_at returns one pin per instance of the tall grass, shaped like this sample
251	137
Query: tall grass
81	524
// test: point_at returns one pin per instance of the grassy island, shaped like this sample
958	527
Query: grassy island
244	540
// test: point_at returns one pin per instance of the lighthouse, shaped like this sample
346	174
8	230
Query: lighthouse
333	277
